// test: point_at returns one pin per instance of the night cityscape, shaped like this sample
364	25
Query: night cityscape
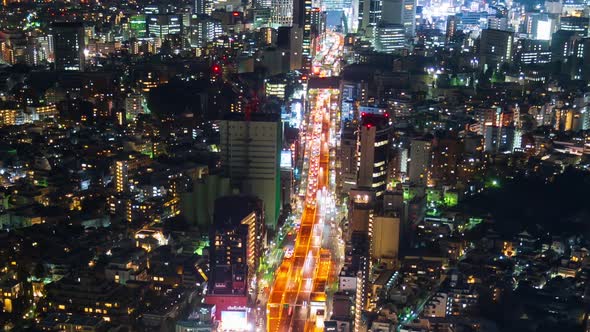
295	165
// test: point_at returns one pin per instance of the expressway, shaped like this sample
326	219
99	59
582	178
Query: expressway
326	62
297	300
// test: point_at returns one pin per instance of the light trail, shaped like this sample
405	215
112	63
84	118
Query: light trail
298	293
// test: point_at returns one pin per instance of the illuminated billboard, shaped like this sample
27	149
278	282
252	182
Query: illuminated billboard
286	159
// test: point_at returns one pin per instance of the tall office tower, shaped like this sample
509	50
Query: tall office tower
358	246
374	147
299	12
451	31
291	38
369	14
347	160
361	297
318	21
307	33
420	160
162	25
236	243
281	13
495	48
401	12
389	38
250	157
203	29
68	40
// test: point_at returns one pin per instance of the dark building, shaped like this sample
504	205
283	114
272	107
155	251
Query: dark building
574	23
236	243
495	48
69	46
563	44
451	30
375	139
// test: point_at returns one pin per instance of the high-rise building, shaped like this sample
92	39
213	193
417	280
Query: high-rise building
420	160
495	48
134	106
250	157
203	29
347	160
369	14
389	37
291	39
374	147
121	175
69	45
563	44
308	34
401	12
451	30
162	25
538	25
237	236
236	243
281	13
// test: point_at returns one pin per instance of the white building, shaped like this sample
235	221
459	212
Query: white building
281	13
250	157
